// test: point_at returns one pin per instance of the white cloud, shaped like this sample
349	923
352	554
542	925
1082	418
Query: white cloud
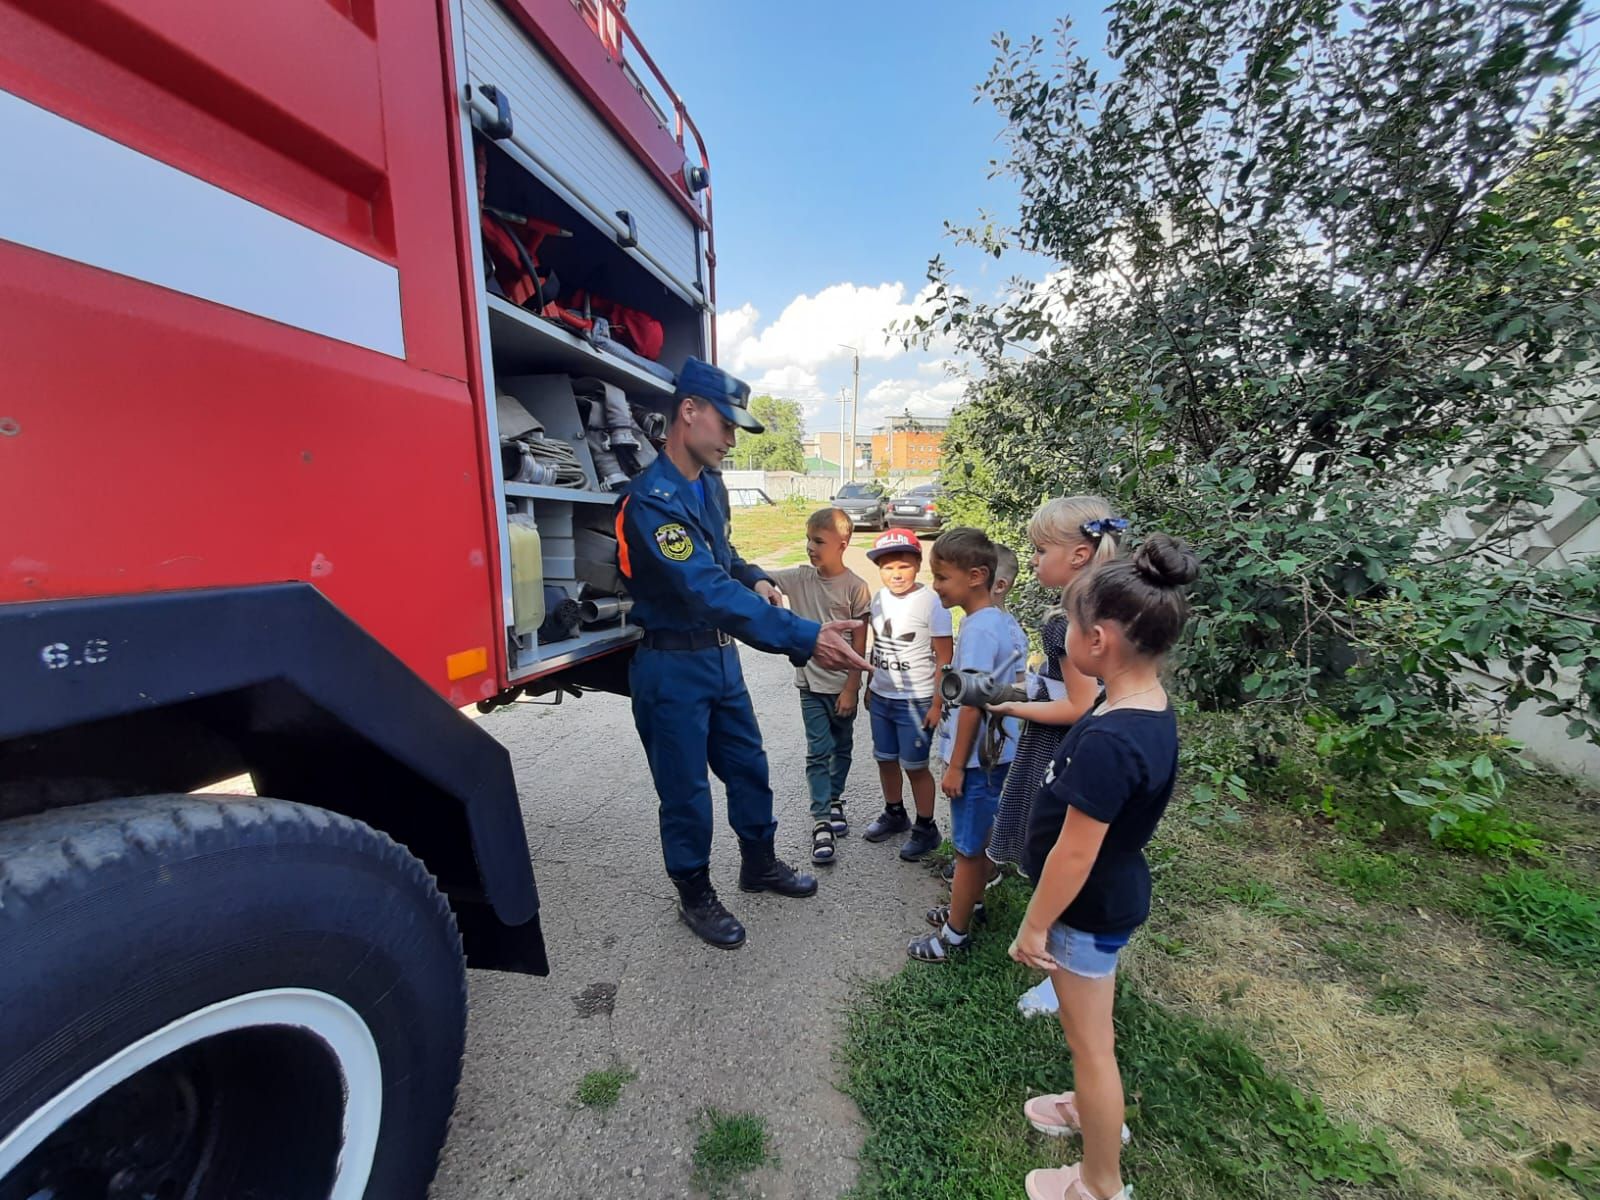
892	397
734	326
818	329
803	355
789	380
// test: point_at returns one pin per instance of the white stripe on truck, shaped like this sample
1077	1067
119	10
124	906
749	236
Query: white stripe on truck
70	191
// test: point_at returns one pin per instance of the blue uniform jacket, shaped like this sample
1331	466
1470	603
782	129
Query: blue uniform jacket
684	576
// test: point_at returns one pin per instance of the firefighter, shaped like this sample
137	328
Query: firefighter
694	596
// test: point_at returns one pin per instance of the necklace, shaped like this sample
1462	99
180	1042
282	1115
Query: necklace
1111	704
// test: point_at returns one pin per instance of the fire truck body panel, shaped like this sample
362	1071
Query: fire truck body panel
215	444
254	519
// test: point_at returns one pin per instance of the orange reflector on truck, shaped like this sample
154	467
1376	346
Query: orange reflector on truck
467	662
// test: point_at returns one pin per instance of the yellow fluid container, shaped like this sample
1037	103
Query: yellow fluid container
527	574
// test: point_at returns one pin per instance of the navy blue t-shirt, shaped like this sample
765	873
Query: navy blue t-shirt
1118	767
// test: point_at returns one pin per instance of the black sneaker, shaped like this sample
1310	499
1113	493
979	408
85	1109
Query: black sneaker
836	819
888	823
924	840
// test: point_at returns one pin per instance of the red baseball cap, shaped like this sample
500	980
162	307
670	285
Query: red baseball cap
895	541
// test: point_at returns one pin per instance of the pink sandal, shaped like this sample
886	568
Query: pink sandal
1063	1183
1057	1115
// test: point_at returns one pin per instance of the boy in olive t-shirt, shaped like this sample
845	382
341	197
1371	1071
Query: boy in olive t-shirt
826	591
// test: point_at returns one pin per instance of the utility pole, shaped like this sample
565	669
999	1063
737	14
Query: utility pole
841	438
855	407
855	404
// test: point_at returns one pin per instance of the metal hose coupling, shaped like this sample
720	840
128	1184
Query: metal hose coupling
981	688
605	608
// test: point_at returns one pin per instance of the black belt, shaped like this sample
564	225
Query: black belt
696	639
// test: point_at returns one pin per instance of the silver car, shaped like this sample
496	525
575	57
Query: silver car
865	504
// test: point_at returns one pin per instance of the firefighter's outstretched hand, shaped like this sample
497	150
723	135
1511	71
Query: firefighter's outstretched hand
834	651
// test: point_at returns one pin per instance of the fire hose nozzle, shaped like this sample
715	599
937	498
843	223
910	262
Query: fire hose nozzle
976	688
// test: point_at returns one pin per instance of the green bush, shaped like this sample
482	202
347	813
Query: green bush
1323	283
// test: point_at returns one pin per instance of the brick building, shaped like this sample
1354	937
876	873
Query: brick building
907	445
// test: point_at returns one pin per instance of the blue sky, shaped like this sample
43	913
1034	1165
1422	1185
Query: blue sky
841	137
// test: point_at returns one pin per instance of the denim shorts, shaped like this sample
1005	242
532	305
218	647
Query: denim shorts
897	732
972	812
1091	955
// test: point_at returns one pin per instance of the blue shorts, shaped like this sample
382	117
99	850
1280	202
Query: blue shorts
1091	955
897	732
972	812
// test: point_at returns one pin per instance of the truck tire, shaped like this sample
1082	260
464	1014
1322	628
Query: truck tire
221	998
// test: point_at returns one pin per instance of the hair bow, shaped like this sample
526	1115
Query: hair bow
1101	526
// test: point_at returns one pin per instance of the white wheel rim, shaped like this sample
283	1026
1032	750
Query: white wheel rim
327	1018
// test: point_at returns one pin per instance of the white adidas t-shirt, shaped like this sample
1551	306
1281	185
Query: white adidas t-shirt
903	629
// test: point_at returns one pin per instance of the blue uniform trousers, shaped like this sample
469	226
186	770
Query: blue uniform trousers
693	710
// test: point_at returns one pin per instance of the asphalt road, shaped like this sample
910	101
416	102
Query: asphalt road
753	1030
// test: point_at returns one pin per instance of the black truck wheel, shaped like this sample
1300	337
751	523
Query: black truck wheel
211	998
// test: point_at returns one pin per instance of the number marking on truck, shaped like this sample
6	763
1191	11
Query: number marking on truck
58	656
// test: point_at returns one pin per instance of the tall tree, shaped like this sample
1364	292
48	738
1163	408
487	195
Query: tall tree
777	449
1320	275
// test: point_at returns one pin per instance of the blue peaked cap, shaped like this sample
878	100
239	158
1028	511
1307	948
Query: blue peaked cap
731	396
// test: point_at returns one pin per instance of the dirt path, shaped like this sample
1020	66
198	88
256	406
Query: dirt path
749	1030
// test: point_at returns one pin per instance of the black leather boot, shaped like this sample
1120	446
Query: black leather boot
701	911
761	871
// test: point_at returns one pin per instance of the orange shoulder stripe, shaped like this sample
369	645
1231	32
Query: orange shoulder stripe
623	562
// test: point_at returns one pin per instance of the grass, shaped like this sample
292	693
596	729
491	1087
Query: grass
1366	874
1403	996
602	1089
1323	1005
729	1146
1356	957
1545	914
772	531
1211	1120
1539	1045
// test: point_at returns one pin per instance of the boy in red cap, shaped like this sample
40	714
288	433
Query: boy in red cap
911	643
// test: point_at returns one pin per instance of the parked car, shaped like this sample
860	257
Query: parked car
864	502
918	508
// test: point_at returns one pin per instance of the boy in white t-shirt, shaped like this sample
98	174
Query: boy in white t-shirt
911	644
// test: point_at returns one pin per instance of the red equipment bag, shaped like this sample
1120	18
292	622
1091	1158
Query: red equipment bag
511	245
638	331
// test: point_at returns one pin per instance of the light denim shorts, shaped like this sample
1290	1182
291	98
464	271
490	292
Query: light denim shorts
1091	955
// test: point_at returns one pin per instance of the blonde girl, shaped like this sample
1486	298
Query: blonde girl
1070	535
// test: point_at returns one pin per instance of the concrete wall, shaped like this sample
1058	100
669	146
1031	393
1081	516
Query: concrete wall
781	485
1562	535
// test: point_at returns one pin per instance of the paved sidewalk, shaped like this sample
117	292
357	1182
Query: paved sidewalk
749	1030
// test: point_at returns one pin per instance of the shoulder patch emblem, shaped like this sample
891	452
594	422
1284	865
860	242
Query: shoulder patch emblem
674	542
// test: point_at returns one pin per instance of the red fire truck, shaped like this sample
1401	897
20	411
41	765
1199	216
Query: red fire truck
262	513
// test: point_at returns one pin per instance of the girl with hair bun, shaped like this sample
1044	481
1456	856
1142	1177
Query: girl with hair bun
1103	796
